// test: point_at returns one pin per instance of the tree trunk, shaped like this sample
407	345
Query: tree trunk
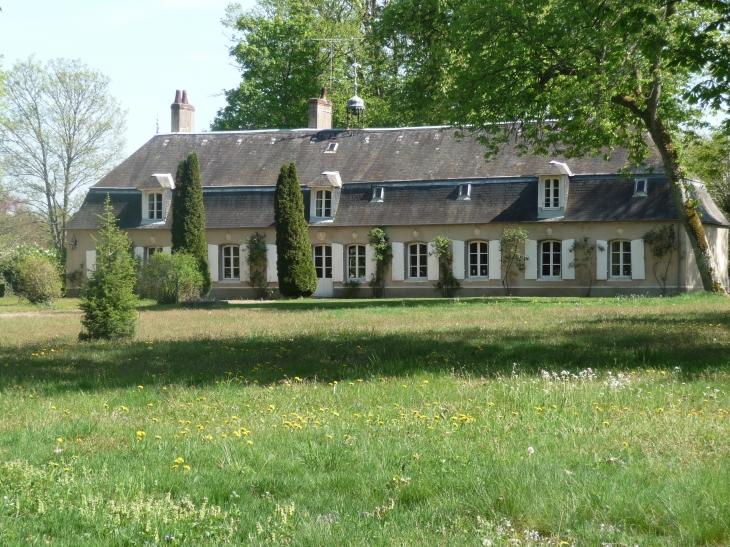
683	202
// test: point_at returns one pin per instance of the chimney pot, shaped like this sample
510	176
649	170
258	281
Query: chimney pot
324	94
182	114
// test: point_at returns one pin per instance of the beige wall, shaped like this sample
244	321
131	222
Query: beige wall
686	271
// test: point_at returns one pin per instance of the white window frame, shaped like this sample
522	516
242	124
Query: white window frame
552	193
325	265
552	254
155	206
231	272
479	265
622	256
641	192
378	195
421	266
464	192
359	258
323	203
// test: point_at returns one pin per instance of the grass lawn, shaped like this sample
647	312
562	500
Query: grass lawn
418	422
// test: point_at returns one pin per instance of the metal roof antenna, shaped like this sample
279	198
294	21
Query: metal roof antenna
355	105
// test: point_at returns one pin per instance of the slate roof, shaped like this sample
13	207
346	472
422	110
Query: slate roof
253	158
421	203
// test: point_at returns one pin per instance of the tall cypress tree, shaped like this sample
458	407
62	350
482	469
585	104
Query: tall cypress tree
294	263
188	216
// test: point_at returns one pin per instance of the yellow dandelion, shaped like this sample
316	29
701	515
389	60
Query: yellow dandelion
179	460
416	456
59	440
186	467
249	442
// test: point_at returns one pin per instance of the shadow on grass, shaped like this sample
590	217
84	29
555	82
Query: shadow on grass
695	345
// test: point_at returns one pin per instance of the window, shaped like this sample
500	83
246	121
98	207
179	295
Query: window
154	206
331	148
478	259
323	261
231	262
356	262
551	198
550	252
378	194
323	204
418	261
464	192
640	187
149	251
620	259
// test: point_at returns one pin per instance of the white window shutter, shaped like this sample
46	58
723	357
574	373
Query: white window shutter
271	271
495	260
338	273
213	262
139	253
637	259
243	262
432	262
90	262
531	262
397	264
601	260
540	195
457	249
567	258
369	262
167	250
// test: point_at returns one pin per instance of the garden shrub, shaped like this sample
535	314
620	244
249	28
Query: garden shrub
258	265
447	284
169	278
383	256
37	279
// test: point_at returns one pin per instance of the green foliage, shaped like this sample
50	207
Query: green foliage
383	256
37	279
447	284
570	78
584	253
662	242
258	265
285	59
169	278
188	216
294	262
512	244
11	259
108	300
709	160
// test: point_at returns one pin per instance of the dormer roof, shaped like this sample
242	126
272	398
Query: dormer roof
328	179
163	181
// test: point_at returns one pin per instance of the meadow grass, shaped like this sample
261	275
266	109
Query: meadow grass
417	422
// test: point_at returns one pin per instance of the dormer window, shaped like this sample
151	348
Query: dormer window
331	148
464	192
378	194
640	187
323	204
154	206
551	194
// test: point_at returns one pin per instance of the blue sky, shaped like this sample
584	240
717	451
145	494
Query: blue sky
149	48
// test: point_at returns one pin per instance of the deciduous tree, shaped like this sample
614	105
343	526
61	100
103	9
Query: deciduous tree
60	131
571	77
288	50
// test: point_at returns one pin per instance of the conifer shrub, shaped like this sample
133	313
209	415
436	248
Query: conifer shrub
37	279
188	216
108	300
294	263
258	265
169	278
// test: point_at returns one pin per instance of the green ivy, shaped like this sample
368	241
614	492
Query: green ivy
383	256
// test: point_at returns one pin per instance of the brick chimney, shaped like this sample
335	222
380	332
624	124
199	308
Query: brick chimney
183	114
320	112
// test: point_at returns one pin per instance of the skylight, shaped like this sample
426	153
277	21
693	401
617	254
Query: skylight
331	148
